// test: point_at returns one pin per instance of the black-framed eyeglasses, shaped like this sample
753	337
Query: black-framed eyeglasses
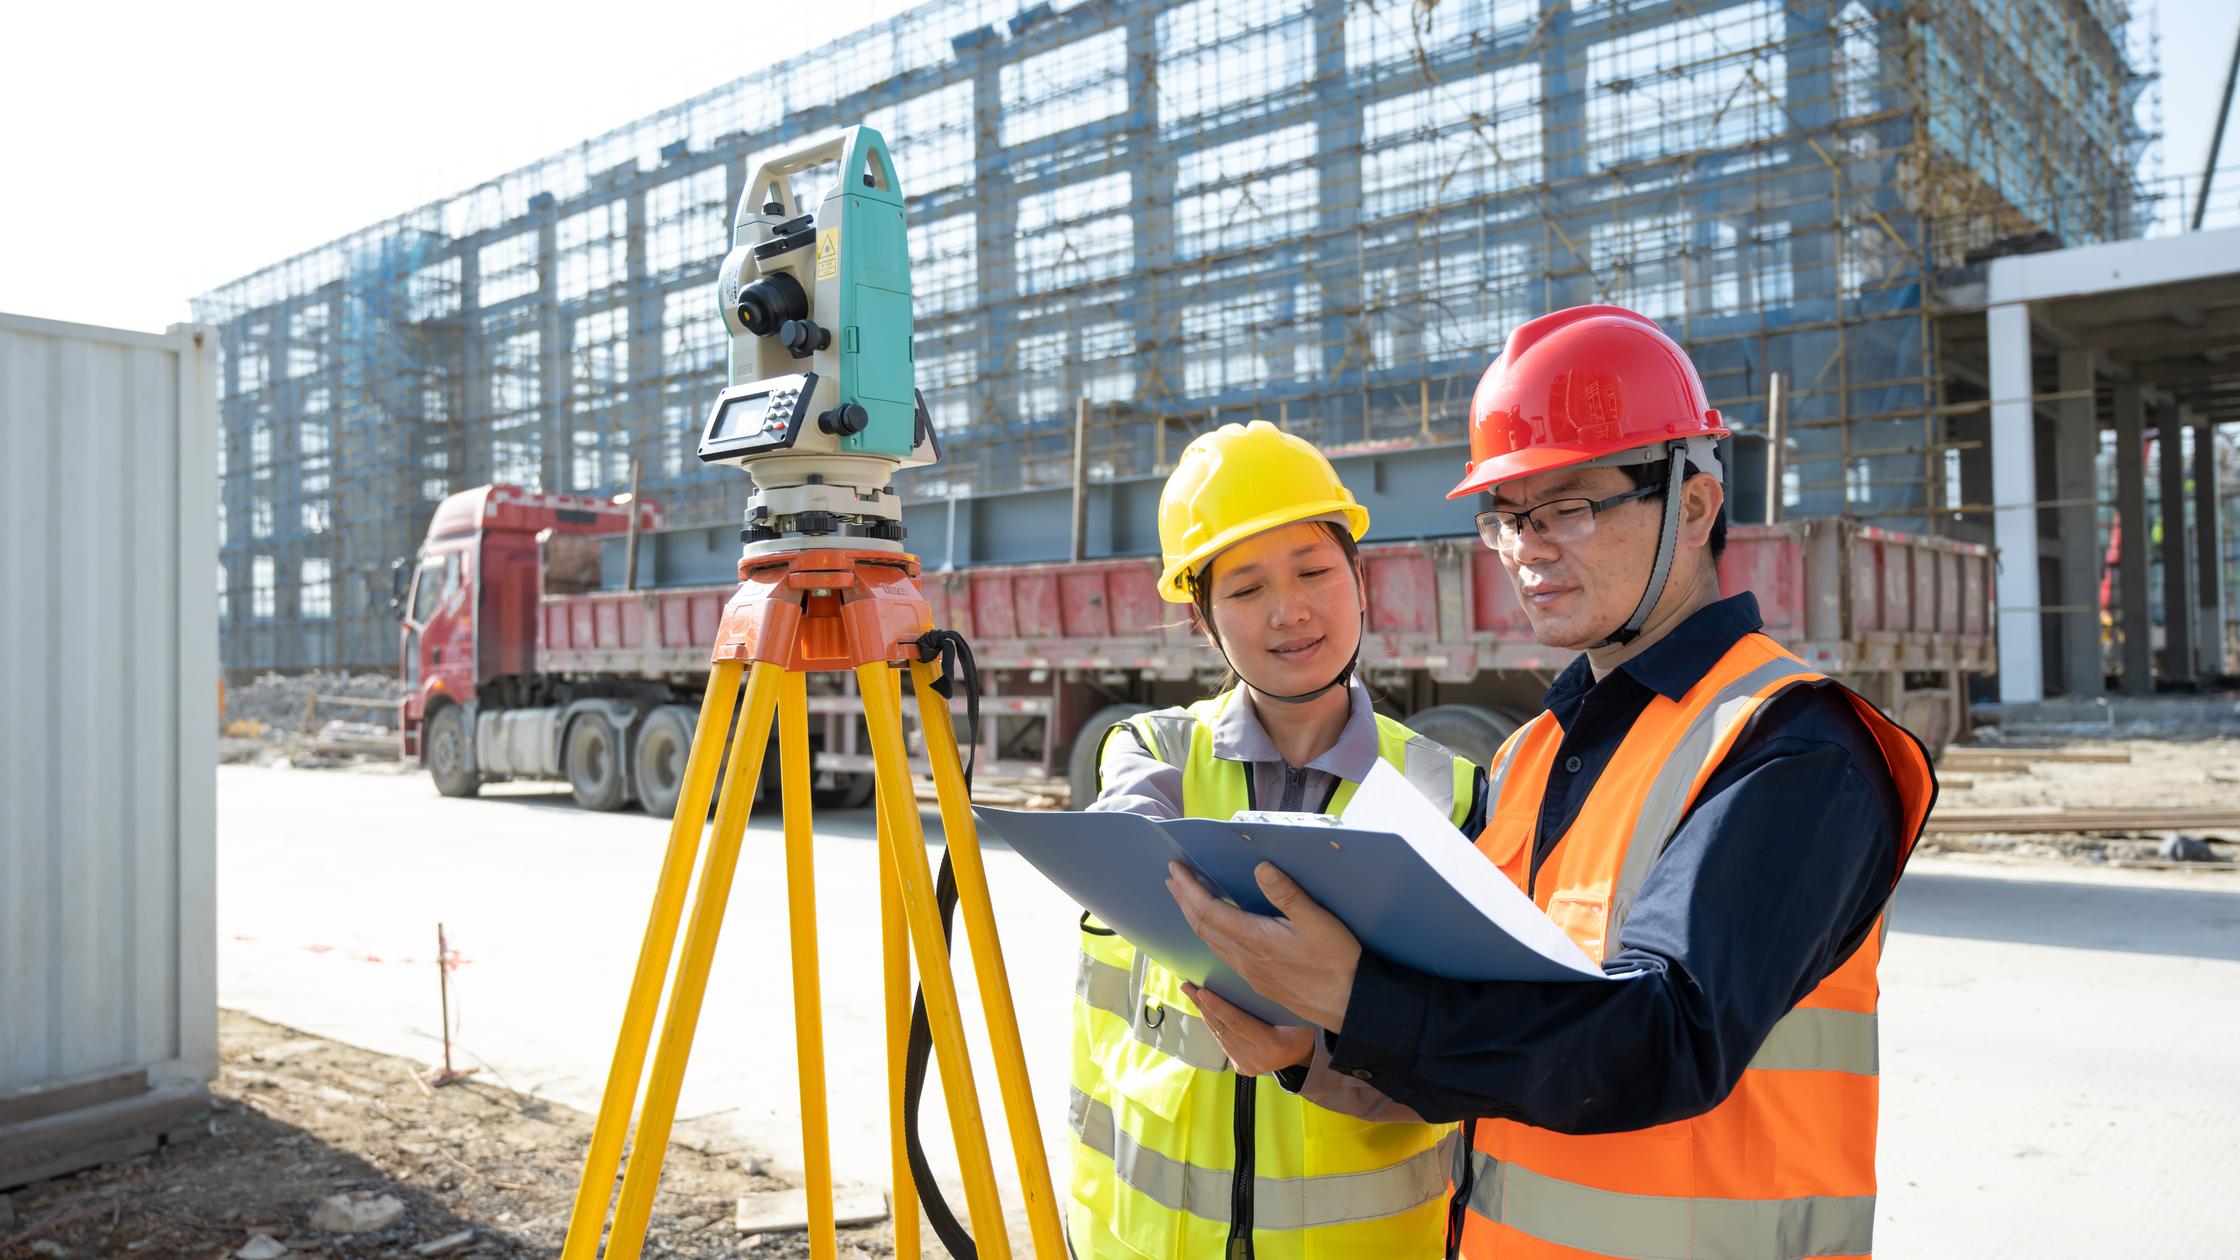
1557	521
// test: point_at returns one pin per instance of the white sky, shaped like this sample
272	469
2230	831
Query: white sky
152	152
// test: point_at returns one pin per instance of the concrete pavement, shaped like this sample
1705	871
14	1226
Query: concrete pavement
2057	1071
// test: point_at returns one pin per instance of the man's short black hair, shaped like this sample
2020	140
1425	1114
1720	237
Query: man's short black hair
1652	473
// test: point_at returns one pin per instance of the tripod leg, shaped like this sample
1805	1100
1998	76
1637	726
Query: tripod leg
963	838
627	1236
894	932
685	827
808	1002
899	805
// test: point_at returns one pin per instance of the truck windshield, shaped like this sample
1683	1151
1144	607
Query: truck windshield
428	589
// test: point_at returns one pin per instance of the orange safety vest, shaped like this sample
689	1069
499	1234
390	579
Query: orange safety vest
1784	1167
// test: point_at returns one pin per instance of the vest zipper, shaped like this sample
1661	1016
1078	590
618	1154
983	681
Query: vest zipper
1240	1181
1294	789
1465	1177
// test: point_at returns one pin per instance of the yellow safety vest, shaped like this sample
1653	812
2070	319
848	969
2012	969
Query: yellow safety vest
1157	1114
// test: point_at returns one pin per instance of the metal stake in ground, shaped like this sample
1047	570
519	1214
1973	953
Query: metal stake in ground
449	1075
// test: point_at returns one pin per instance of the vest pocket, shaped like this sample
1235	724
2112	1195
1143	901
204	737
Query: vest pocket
1584	915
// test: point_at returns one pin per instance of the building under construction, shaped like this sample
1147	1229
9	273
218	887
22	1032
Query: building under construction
1327	213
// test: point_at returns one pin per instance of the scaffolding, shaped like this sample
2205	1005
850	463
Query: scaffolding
1326	213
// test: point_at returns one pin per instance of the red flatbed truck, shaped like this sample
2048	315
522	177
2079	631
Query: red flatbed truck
520	662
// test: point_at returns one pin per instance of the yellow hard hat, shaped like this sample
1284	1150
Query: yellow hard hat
1237	481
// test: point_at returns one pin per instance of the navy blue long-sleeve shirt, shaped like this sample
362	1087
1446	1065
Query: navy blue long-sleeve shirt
1777	872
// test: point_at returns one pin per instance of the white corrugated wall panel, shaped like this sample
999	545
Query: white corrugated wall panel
108	694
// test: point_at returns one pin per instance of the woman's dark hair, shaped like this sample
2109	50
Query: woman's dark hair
1653	472
1201	585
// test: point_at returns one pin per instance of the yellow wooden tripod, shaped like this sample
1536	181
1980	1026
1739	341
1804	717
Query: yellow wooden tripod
795	613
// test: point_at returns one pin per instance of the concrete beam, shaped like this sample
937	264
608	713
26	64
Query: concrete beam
2132	613
2131	264
2181	302
2178	610
2014	494
2076	456
2166	333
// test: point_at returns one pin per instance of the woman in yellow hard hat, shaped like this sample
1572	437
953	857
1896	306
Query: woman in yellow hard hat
1178	1151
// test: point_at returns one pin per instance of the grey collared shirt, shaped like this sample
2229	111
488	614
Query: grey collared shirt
1137	781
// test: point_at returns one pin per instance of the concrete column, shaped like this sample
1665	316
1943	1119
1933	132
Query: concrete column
1809	100
2178	609
2014	494
2076	451
1565	254
1151	191
995	255
2208	551
2132	612
473	387
555	333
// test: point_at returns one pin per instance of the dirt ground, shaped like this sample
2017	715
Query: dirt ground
295	1119
2177	772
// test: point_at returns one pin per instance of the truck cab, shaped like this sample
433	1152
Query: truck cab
469	610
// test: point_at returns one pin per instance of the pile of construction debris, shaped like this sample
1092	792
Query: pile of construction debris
310	719
317	1149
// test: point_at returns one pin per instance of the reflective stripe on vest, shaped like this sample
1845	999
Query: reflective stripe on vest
1430	769
1674	789
1784	1166
1278	1203
1115	991
1167	733
1812	1038
1504	759
1657	1227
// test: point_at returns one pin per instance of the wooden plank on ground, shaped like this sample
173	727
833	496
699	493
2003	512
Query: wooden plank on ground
2021	821
781	1211
1956	753
1990	765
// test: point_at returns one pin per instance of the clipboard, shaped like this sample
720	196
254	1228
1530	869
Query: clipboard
1411	888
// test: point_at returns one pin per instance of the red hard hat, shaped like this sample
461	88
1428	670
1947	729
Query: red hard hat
1579	385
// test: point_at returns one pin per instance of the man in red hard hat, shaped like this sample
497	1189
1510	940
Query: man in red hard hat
1700	812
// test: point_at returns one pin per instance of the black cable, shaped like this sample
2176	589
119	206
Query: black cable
955	655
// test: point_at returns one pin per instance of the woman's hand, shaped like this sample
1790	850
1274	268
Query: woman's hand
1304	960
1254	1047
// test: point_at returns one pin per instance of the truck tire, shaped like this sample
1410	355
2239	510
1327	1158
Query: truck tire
664	744
1081	761
1468	730
593	759
446	753
849	790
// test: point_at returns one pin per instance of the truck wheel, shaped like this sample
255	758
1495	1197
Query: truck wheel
664	743
1468	730
594	763
1081	762
848	791
446	753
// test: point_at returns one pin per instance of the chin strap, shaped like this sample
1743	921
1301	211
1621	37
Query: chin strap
1668	541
